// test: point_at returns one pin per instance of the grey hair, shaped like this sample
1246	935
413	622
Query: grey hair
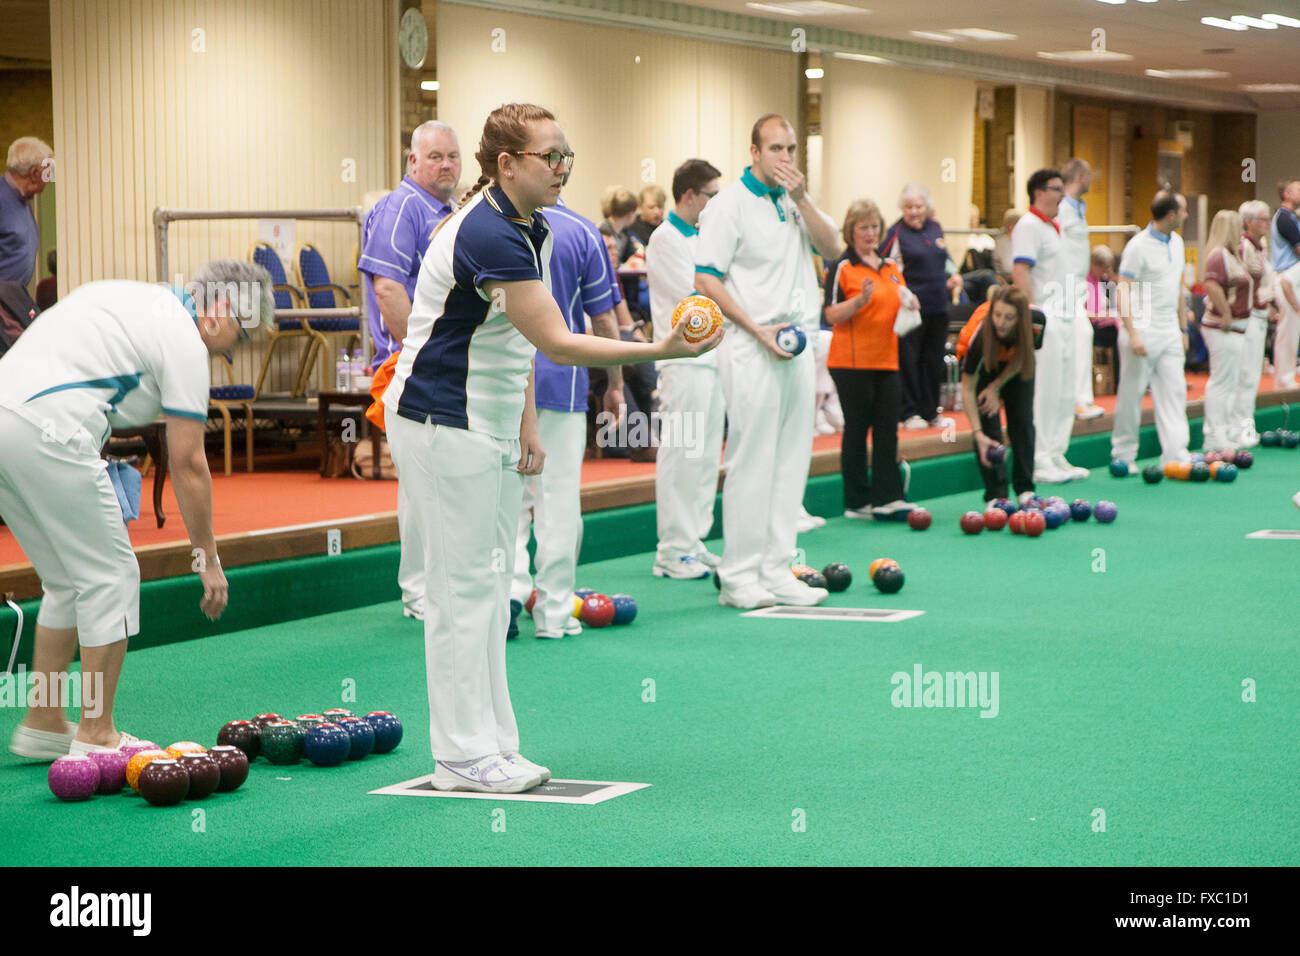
915	191
1074	169
1253	208
1101	253
245	285
25	154
432	126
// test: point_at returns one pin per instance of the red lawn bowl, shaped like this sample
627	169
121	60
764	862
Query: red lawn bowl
972	522
1035	524
995	519
598	611
918	519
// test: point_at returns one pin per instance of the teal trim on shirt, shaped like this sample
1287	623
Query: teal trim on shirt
177	413
682	226
1157	234
758	189
709	270
123	384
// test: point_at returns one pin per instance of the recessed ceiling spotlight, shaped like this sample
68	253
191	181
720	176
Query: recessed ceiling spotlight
816	73
1116	2
1223	24
1254	22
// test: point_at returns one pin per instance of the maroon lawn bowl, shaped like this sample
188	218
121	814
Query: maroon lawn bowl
204	774
164	782
112	769
244	734
918	519
232	764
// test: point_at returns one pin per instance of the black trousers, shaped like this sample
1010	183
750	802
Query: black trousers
920	364
870	400
1018	399
1107	337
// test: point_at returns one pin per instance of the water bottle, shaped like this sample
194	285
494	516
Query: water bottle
342	372
357	368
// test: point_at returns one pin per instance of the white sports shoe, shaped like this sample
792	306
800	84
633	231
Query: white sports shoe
687	567
490	774
1249	439
941	421
795	593
1050	476
81	747
518	760
748	597
1296	499
1074	472
42	744
1025	498
808	522
414	610
707	558
860	514
1088	412
916	423
896	510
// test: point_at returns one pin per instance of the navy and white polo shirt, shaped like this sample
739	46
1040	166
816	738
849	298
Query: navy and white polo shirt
463	363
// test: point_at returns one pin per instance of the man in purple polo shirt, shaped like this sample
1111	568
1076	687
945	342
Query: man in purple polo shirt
397	233
398	230
582	281
26	173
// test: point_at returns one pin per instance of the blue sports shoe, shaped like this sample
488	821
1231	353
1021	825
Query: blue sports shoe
513	630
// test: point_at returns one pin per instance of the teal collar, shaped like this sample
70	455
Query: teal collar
758	189
682	226
187	300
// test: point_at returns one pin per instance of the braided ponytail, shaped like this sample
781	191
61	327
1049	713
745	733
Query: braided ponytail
482	181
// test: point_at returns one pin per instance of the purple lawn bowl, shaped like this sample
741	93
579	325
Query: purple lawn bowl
74	777
112	769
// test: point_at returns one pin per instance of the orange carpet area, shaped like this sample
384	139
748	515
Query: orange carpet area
276	499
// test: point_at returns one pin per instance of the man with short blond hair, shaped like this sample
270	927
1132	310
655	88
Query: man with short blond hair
28	167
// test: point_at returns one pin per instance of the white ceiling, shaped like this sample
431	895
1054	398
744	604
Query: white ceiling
1162	35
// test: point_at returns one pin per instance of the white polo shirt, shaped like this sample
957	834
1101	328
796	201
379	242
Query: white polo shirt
112	354
1038	242
1072	218
670	273
754	239
1155	262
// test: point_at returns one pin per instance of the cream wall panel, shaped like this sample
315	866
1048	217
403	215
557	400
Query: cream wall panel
265	115
1277	141
684	99
884	127
1033	137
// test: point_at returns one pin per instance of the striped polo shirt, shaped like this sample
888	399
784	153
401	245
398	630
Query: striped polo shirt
754	239
867	340
113	354
582	282
397	233
463	363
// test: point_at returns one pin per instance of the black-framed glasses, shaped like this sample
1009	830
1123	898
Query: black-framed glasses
553	158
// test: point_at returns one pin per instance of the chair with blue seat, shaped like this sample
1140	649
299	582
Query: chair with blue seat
314	277
225	397
286	297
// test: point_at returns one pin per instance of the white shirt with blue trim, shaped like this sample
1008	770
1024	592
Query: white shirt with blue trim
670	273
1154	262
112	354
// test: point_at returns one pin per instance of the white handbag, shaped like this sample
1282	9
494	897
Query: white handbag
908	318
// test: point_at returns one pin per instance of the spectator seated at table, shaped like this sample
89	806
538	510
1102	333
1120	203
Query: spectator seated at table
649	213
47	290
977	271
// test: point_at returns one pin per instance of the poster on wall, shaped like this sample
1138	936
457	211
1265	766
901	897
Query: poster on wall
278	234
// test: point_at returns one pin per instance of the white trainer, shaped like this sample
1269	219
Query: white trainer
1087	413
916	423
707	558
41	744
859	514
490	774
896	510
748	597
1295	499
1050	476
1074	472
81	747
520	761
1025	498
941	421
808	522
796	593
413	610
687	567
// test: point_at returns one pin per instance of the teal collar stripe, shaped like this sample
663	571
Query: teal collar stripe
177	413
682	226
122	384
758	189
187	300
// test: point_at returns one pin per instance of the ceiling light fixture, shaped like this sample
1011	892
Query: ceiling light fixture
429	86
1272	87
814	73
1187	74
1086	56
927	35
1281	20
807	8
977	33
1254	22
1223	24
861	58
